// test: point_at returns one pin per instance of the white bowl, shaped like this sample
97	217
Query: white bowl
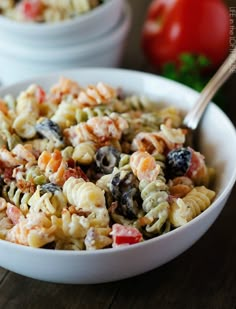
219	147
21	62
79	29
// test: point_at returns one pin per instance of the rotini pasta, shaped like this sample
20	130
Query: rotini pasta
95	95
35	230
5	121
89	168
190	206
49	201
41	144
88	197
84	114
100	130
65	115
17	196
27	112
144	166
155	195
159	142
8	139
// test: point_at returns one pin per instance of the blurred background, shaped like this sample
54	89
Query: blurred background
139	61
186	43
134	57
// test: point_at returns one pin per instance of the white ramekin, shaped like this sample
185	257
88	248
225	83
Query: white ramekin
69	32
18	62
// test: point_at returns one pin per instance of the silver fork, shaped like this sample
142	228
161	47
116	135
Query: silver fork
193	117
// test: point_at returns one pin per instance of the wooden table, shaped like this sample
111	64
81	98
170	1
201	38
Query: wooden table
204	277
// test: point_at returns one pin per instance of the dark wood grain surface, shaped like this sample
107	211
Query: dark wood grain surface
204	277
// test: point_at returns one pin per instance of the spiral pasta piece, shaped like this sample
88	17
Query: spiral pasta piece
185	209
137	103
48	202
27	109
84	114
104	182
24	152
70	230
88	197
18	155
159	142
12	193
65	115
70	225
8	159
10	101
180	186
150	121
124	162
42	144
156	206
64	87
5	121
84	153
30	173
97	129
8	139
54	14
54	166
155	203
144	166
170	115
95	95
35	230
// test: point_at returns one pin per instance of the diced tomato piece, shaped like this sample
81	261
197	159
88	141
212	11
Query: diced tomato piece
125	235
31	9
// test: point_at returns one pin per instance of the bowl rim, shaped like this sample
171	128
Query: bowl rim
220	198
73	51
29	27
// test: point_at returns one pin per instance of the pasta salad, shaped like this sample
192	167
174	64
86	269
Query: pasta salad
87	168
46	10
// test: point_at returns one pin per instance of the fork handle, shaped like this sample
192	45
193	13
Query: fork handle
192	119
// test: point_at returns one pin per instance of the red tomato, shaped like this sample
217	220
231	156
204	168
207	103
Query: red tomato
31	9
125	235
174	27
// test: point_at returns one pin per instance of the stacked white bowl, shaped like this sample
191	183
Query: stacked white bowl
95	39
